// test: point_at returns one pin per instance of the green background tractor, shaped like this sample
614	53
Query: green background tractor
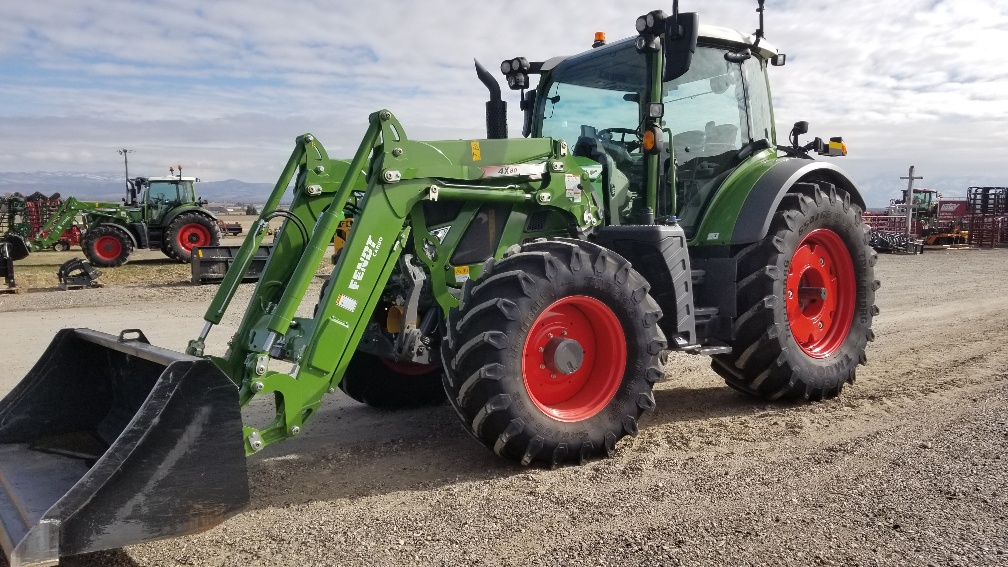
160	213
538	282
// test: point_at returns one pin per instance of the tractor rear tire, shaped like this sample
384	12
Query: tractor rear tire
187	231
552	355
806	299
107	246
382	383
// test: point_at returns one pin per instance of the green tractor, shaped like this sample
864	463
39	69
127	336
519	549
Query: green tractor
160	213
538	282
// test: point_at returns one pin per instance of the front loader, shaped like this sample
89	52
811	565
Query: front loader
536	283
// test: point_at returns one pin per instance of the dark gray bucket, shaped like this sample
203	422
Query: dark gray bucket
109	441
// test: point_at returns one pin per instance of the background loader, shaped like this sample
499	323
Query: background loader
158	213
537	282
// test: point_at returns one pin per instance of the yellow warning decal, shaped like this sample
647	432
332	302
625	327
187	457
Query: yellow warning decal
475	150
461	274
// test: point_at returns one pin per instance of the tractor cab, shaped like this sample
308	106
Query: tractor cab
159	195
716	115
925	201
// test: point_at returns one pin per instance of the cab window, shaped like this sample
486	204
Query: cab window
706	115
163	192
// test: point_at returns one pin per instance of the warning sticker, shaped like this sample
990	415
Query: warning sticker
475	150
346	303
461	274
573	188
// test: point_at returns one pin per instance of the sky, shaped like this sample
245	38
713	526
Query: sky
224	88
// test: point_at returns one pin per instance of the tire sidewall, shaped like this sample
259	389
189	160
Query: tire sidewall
91	239
607	425
173	247
830	214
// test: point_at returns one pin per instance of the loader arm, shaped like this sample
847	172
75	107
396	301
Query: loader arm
393	174
320	347
64	217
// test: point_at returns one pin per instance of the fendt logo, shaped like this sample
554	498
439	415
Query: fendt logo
371	248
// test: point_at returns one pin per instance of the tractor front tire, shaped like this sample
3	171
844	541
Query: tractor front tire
383	383
188	231
806	300
552	354
107	246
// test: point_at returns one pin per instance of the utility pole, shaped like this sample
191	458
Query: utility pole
909	202
129	191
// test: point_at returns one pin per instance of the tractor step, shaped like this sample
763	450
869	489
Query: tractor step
109	441
709	350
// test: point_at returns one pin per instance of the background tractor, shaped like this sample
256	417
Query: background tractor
158	213
537	282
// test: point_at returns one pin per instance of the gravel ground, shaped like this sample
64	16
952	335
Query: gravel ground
907	467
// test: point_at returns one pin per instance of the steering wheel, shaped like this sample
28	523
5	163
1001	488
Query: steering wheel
608	136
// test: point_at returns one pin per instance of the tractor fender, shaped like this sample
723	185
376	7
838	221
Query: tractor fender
186	209
760	205
126	229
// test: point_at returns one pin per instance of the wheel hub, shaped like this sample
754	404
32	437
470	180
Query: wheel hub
574	358
563	356
820	293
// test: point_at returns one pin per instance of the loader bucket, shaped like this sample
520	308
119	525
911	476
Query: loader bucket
14	246
110	441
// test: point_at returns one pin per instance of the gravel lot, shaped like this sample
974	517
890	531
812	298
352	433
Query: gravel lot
907	467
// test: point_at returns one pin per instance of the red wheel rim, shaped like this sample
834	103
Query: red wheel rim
821	263
193	234
108	248
586	391
408	368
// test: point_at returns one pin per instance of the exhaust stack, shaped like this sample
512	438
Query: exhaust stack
496	109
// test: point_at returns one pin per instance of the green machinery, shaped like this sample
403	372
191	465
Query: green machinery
538	282
158	213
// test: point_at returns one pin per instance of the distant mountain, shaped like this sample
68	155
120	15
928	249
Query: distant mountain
107	186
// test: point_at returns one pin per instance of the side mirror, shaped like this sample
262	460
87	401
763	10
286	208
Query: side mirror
800	128
680	44
527	106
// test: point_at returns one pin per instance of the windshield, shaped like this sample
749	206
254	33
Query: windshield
170	192
597	96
